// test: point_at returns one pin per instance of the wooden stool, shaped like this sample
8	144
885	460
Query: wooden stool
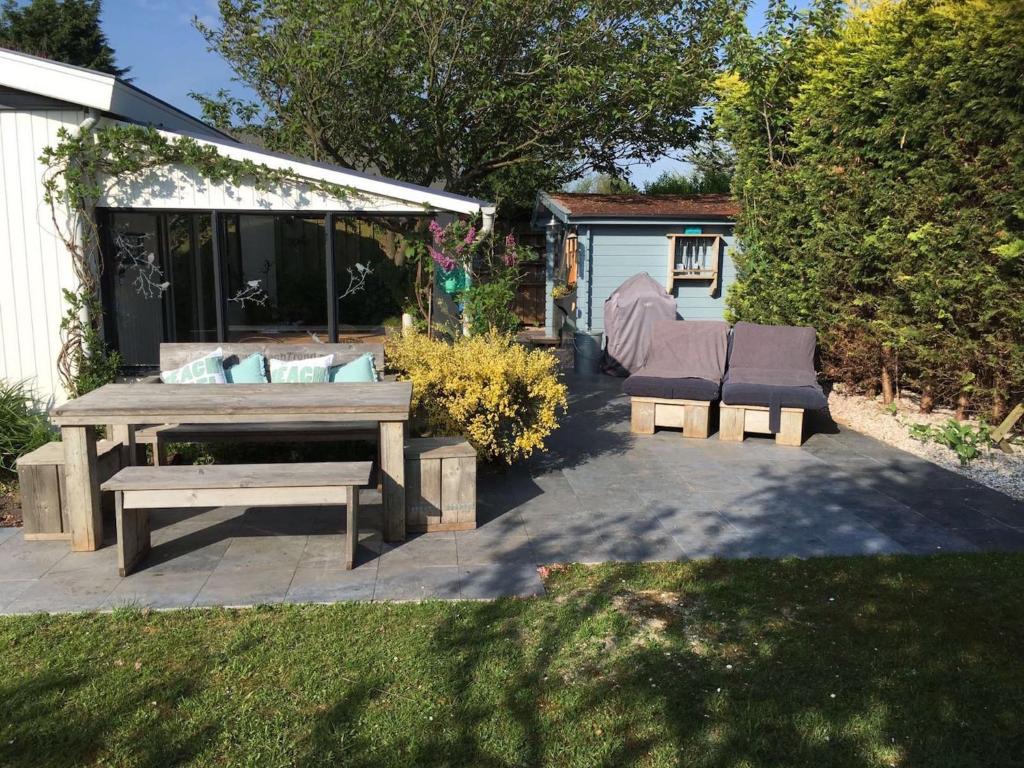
440	484
43	490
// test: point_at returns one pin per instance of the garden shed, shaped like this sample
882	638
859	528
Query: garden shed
598	241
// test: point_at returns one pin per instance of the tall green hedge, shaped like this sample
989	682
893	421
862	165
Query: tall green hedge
880	163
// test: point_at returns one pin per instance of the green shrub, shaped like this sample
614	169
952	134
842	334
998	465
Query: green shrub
23	424
880	167
503	398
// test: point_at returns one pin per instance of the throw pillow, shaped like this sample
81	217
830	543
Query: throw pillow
312	371
208	369
358	371
252	370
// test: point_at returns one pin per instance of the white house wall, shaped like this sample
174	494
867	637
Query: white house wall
34	265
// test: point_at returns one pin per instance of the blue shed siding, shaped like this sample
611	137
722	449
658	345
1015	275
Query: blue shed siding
615	253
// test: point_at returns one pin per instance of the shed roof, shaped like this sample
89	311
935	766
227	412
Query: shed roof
574	205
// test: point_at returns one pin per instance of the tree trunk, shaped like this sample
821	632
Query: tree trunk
999	406
888	389
962	403
927	399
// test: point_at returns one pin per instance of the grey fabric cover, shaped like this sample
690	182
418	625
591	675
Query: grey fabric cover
772	366
670	389
628	315
685	361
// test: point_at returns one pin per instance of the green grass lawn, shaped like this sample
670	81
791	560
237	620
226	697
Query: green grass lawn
832	662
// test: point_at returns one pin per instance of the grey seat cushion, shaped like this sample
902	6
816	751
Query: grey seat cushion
808	397
638	385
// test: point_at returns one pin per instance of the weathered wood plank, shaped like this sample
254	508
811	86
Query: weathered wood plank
351	527
237	403
40	499
696	421
124	436
310	474
133	539
730	423
439	448
236	497
791	429
641	420
392	466
83	489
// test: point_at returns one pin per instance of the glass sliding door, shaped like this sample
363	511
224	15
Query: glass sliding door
193	307
371	287
135	275
276	278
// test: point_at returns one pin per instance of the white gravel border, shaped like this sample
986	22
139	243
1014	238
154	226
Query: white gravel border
1000	471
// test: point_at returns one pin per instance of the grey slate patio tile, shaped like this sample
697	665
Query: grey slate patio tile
420	583
8	533
12	590
487	582
255	553
64	593
250	586
321	585
994	539
185	554
483	546
327	552
157	590
30	559
418	550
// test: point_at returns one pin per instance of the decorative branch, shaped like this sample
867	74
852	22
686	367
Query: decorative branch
132	255
356	279
251	293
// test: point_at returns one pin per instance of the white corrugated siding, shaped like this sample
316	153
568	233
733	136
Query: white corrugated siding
34	265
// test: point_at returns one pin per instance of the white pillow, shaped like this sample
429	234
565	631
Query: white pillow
208	369
310	371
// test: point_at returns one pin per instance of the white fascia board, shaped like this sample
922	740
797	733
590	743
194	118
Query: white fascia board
57	81
423	197
636	222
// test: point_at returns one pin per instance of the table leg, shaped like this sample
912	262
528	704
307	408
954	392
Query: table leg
392	470
81	479
125	435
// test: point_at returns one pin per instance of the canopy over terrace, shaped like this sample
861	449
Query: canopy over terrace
296	261
238	261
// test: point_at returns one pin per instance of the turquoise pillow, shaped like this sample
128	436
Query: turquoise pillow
252	370
359	370
312	370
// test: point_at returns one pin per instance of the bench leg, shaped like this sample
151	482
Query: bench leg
791	429
695	421
642	418
351	527
81	479
125	435
730	423
392	469
160	458
132	535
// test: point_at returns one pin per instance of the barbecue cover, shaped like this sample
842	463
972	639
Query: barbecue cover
629	313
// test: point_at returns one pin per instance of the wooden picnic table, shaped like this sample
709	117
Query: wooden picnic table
127	406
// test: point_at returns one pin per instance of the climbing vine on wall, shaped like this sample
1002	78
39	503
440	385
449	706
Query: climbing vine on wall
81	168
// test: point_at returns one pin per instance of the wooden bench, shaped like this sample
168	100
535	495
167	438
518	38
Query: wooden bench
735	420
139	489
176	355
44	489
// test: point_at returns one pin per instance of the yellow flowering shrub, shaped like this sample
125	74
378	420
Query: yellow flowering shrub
504	398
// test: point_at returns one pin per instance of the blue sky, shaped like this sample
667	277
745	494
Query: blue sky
168	57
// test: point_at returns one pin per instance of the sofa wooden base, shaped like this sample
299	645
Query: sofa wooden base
649	413
736	420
